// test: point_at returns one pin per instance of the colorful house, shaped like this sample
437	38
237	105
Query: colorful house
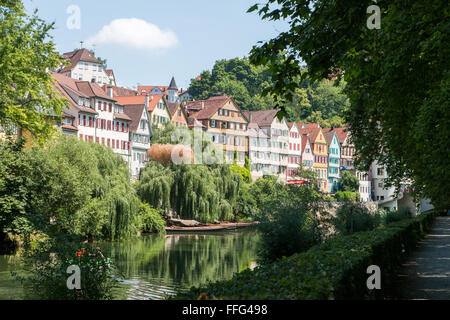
334	158
295	150
320	150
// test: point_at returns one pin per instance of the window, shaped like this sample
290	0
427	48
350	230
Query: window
213	123
231	125
380	171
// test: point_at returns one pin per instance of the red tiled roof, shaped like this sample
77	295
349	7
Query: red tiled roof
134	111
341	133
313	133
69	127
82	88
119	91
127	100
122	116
262	117
308	125
210	106
77	56
329	136
305	139
148	89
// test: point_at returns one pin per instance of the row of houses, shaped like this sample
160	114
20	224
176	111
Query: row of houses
122	119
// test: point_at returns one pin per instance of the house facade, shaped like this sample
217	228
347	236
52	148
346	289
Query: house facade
225	124
278	133
156	106
295	150
85	67
140	137
334	158
259	151
320	150
177	114
94	116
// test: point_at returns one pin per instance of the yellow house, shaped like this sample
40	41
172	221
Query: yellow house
225	123
320	150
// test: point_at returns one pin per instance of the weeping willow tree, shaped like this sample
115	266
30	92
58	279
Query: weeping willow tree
84	189
199	192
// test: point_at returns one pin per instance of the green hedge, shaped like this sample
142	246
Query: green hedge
333	270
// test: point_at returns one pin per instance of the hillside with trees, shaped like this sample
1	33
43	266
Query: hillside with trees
321	102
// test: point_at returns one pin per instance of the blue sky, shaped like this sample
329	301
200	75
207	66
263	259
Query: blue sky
185	36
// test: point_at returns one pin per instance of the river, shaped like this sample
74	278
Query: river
154	266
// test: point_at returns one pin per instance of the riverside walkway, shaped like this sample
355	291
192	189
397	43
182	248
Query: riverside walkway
426	273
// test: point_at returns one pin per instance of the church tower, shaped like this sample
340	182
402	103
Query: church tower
172	91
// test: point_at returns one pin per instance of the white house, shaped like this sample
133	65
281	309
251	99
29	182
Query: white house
278	133
295	150
85	67
140	137
259	151
97	117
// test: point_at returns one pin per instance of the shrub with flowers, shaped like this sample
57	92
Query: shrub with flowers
46	271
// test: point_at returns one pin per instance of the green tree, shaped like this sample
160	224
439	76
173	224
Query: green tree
349	181
27	97
397	78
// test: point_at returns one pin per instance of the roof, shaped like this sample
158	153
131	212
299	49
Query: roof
130	100
148	89
307	125
210	106
122	116
255	131
173	84
329	136
77	56
120	91
69	127
341	133
134	112
109	71
194	123
263	117
305	139
312	132
173	107
84	89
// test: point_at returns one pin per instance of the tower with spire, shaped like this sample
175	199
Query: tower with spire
172	91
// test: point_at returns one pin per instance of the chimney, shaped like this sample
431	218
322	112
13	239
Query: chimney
203	105
146	101
250	117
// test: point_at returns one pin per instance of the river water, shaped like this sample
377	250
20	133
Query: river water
155	266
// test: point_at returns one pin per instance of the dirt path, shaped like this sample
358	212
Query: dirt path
426	273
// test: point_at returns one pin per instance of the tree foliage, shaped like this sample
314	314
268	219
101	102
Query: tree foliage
69	187
238	78
349	181
27	97
200	192
397	78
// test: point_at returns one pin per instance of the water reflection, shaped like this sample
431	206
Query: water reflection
155	266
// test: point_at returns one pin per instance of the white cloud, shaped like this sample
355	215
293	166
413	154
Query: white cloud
135	33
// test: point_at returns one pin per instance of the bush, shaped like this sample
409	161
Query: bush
398	215
354	217
292	230
47	266
349	182
342	196
335	269
151	220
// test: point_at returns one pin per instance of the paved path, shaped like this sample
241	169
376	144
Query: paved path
426	273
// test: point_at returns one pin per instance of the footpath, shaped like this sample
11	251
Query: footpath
426	273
